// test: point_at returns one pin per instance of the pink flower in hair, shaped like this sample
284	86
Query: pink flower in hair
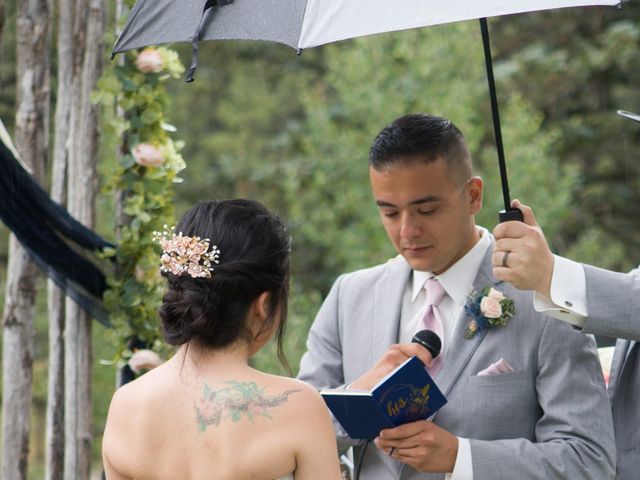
182	254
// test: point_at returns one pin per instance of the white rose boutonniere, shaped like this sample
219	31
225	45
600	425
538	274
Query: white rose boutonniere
489	308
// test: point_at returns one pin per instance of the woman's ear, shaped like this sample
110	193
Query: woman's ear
262	305
259	313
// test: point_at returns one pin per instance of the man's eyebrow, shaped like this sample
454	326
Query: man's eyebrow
418	201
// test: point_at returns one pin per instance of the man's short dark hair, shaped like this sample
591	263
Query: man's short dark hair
420	138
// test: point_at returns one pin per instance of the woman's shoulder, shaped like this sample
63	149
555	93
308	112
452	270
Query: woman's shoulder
302	398
142	390
281	382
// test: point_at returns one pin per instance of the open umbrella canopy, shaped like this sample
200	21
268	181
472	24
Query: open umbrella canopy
309	23
306	23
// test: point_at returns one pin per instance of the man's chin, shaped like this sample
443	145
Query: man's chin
421	264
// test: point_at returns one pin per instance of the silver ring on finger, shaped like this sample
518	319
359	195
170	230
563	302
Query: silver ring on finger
505	259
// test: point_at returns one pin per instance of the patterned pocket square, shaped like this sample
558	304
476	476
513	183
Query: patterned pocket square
501	366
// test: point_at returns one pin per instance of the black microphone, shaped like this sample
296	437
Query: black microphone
429	340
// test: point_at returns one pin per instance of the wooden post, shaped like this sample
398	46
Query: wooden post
82	189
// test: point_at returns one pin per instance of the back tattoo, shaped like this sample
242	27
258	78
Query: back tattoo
234	401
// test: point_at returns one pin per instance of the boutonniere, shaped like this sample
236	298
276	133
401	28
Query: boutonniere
489	308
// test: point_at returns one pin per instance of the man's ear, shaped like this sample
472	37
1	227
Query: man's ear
474	191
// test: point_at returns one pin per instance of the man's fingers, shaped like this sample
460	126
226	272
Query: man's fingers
417	350
512	229
504	274
502	259
509	245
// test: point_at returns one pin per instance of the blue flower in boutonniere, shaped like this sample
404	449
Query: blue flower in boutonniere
489	308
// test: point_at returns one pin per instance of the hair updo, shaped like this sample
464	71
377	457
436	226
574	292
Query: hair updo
254	258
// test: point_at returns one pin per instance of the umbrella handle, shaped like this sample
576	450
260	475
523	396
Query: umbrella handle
510	215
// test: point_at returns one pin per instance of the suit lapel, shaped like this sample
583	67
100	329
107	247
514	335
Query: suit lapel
389	290
461	350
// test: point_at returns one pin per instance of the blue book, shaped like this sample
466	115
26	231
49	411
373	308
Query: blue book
406	394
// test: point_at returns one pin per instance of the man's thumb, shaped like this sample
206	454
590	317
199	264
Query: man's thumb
527	214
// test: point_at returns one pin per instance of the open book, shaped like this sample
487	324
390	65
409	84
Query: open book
406	394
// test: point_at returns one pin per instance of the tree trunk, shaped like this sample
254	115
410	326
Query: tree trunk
17	361
82	189
54	447
31	135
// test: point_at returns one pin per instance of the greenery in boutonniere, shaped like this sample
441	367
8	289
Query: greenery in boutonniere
488	309
136	102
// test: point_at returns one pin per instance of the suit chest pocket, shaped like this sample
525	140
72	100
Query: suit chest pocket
506	402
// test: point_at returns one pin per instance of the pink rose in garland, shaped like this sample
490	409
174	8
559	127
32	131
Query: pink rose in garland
148	155
149	61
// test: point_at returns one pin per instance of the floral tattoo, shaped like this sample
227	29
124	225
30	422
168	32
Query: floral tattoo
234	401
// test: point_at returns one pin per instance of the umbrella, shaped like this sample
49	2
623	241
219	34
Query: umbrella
629	115
304	24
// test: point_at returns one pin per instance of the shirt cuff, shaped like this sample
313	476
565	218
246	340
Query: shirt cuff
568	293
463	468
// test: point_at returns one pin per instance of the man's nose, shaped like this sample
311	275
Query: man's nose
409	228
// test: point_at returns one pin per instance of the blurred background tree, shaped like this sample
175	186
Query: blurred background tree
294	132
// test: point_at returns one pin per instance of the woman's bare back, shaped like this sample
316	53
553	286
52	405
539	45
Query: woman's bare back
221	422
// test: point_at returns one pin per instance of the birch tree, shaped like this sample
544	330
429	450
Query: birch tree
81	195
31	136
54	441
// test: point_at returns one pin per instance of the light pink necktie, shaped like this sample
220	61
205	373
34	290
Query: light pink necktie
432	320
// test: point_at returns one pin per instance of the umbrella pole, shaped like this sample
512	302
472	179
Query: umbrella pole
508	213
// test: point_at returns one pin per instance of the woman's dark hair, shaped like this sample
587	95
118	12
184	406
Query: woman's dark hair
254	258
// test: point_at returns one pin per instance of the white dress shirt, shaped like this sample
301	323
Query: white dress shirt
457	282
568	300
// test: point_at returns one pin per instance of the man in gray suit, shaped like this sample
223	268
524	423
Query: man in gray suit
525	400
591	299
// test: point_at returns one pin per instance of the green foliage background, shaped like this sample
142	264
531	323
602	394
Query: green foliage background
294	132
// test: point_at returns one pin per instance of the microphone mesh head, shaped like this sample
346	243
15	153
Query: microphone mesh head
429	340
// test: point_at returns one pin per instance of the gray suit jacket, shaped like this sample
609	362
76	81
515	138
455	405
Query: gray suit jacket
549	419
613	300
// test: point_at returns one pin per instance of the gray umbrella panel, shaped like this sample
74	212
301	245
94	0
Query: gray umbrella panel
306	23
154	22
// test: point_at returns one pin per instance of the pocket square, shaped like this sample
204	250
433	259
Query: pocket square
501	366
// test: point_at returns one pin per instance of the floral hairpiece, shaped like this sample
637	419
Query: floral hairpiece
185	255
489	308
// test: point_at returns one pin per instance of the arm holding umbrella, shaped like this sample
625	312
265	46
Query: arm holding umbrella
596	300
